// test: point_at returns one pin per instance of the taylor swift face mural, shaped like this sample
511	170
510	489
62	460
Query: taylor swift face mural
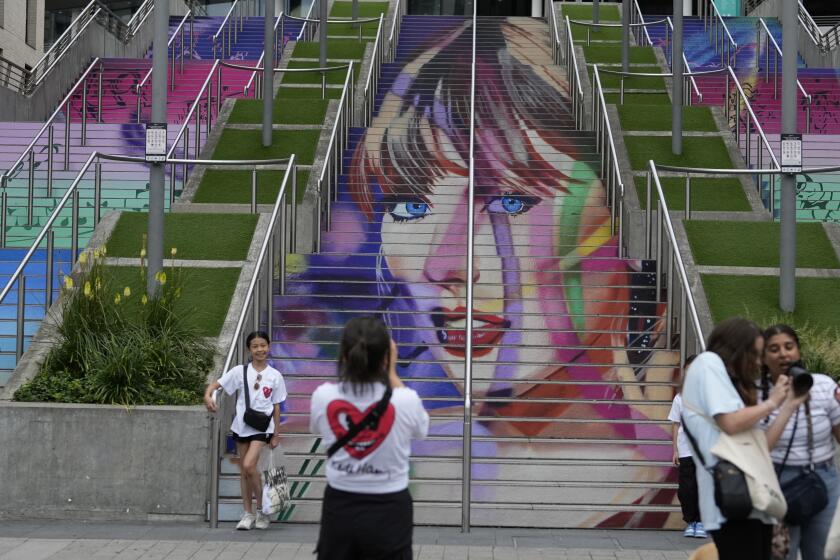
552	304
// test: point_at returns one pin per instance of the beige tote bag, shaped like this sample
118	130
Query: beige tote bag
748	451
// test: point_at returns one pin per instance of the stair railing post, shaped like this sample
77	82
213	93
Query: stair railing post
282	247
4	216
97	192
30	191
293	213
181	65
669	304
659	248
48	299
687	196
254	190
197	148
50	143
218	90
67	139
192	42
21	312
186	157
648	218
99	94
84	112
74	234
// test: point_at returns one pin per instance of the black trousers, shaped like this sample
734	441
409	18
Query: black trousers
746	539
366	526
687	490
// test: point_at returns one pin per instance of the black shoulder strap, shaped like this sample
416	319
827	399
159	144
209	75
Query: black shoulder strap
697	452
790	443
370	419
245	385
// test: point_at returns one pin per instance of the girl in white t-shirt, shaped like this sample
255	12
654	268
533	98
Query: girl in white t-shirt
367	508
266	390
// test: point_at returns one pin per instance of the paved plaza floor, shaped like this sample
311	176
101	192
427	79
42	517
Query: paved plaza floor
76	540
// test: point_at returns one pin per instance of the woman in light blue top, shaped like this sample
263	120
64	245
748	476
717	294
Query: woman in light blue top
719	394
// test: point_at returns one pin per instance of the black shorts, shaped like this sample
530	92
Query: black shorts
265	438
366	526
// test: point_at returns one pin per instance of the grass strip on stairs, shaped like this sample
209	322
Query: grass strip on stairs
758	298
583	12
597	54
196	236
336	48
247	145
757	244
654	117
234	187
705	151
286	110
707	195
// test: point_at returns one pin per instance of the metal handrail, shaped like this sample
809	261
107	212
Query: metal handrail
605	143
675	264
184	131
688	76
394	35
139	17
687	67
29	151
229	33
257	69
334	20
307	34
715	24
179	31
253	77
333	161
764	30
254	306
554	35
374	71
575	83
589	25
35	78
639	17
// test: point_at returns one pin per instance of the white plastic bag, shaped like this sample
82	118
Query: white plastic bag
276	496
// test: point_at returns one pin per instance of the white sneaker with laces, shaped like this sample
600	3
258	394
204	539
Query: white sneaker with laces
689	531
247	522
263	521
699	531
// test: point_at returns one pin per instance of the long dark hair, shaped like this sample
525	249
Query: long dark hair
769	333
362	357
734	341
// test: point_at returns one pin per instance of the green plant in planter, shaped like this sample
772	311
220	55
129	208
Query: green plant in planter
115	347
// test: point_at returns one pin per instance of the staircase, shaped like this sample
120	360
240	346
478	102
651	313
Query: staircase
572	384
124	185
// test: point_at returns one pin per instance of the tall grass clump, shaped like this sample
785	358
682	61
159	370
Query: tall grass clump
112	346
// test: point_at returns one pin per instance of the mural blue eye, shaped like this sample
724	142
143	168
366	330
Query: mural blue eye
512	204
404	211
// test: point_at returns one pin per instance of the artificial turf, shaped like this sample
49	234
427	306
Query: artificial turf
579	33
610	80
758	298
596	54
698	151
366	9
657	99
234	187
205	293
583	12
709	195
333	76
286	110
336	49
196	236
641	117
757	244
291	92
247	144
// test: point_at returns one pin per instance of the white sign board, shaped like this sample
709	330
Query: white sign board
156	142
791	153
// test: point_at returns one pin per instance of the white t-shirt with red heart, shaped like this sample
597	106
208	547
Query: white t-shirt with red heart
375	461
271	390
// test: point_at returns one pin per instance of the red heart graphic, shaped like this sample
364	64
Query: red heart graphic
368	440
267	391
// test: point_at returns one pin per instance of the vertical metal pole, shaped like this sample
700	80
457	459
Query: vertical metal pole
322	32
21	312
282	234
679	81
186	154
197	147
157	172
596	11
97	192
30	191
74	227
625	35
50	142
648	218
50	270
254	187
466	475
4	216
84	113
688	197
787	249
293	213
218	90
67	139
99	95
192	42
268	74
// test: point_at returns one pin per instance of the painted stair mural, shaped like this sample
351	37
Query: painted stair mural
118	131
572	383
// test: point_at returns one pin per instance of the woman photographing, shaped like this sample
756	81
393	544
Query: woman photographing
367	420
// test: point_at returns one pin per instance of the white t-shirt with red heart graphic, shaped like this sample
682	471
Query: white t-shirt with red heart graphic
271	391
375	461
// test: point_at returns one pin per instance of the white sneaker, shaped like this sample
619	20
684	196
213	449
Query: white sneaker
263	521
247	522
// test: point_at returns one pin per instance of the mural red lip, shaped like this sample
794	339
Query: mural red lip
484	336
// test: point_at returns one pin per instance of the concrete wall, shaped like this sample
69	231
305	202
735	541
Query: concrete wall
13	32
84	461
809	52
